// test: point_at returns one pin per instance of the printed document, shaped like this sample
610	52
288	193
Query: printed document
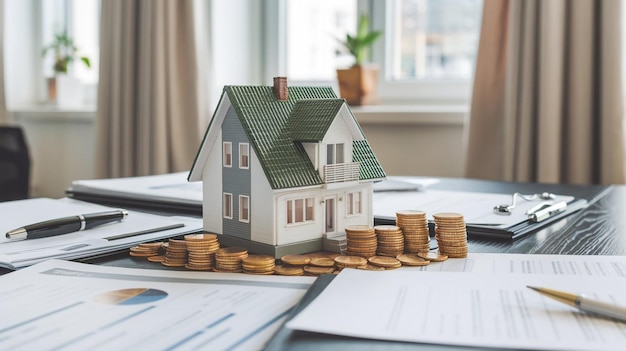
137	227
75	306
483	302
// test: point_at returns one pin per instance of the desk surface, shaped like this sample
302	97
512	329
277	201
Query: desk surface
600	229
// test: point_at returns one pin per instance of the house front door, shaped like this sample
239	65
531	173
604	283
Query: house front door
330	213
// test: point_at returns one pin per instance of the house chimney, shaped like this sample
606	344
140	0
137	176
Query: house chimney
280	88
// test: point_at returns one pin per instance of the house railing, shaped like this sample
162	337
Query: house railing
341	172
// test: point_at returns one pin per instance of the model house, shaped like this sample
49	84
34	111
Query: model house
282	167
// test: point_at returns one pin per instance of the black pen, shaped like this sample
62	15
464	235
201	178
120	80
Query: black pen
65	225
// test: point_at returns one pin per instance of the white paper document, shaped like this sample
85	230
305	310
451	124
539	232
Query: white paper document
74	306
170	187
476	208
487	305
137	227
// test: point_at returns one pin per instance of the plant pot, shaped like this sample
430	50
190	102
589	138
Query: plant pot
70	92
358	84
52	89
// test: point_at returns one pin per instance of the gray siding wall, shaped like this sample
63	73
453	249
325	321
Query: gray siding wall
235	180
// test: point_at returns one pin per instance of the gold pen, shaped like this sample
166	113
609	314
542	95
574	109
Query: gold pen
585	304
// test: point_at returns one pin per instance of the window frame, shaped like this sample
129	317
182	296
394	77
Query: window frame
291	215
410	93
243	219
352	202
224	154
228	209
246	147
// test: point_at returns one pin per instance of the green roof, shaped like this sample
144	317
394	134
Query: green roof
310	119
272	126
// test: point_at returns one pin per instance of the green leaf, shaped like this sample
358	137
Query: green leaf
86	61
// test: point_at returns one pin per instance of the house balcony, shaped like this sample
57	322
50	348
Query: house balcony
341	172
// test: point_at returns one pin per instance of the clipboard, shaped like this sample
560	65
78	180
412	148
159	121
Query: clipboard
478	209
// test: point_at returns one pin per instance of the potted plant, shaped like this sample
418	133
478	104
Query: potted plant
357	84
65	52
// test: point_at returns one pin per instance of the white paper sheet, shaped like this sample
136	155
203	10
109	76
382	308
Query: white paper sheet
15	214
487	305
170	187
476	208
75	306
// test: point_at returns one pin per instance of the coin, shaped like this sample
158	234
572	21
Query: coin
412	260
387	262
296	260
433	256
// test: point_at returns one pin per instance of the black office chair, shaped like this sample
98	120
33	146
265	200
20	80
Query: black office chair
14	164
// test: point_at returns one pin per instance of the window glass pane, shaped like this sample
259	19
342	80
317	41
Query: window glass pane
434	39
85	26
299	210
350	203
243	155
289	211
228	154
309	209
313	27
228	206
244	212
339	153
357	202
330	159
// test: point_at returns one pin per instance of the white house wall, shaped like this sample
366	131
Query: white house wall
212	189
293	233
337	133
261	208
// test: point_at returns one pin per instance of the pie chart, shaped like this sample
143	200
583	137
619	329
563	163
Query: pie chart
134	296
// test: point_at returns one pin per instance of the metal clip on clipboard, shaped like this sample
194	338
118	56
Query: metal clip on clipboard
545	211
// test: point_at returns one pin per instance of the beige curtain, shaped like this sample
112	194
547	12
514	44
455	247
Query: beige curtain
148	91
547	97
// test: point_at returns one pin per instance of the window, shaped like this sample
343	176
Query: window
228	206
244	208
426	54
244	153
227	154
354	203
80	19
334	153
300	210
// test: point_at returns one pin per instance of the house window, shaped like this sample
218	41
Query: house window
227	154
300	210
244	155
354	203
334	153
228	206
244	208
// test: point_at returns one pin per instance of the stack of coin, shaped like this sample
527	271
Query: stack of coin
390	240
176	253
292	265
451	234
201	249
350	262
228	259
146	250
385	262
258	264
361	240
414	225
320	265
